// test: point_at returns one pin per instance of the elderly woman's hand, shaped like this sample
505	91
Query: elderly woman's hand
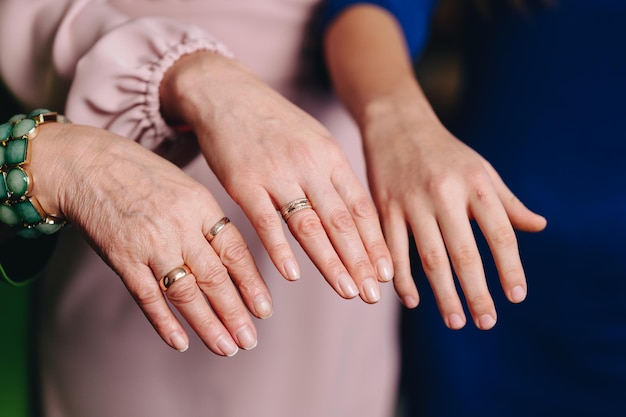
268	153
147	219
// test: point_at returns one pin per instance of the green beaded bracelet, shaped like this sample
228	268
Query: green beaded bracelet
18	207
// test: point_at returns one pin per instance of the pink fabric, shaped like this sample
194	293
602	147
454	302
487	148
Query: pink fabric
319	355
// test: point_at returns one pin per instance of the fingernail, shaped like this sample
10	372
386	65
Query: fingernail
486	322
385	272
247	339
227	346
455	321
179	342
372	292
263	306
410	302
347	286
518	294
291	269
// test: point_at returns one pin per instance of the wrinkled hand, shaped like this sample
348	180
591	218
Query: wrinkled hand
146	217
422	176
267	152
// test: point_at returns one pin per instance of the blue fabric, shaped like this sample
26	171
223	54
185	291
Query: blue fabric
413	15
545	104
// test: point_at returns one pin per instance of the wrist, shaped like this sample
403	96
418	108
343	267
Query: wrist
403	104
183	91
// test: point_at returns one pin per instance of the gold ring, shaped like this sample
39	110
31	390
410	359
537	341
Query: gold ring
294	206
173	276
217	227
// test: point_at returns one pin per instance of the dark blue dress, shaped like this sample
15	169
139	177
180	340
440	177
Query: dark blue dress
545	103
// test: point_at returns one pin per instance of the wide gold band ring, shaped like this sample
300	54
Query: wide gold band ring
294	206
173	276
217	227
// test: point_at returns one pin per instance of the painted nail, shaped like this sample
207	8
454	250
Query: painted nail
385	272
263	306
347	286
179	342
372	292
518	294
227	346
291	269
247	339
486	322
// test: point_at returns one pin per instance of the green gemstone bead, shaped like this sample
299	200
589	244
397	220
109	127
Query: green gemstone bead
5	131
8	215
17	181
17	118
48	228
23	128
4	193
27	212
16	151
28	232
37	112
2	154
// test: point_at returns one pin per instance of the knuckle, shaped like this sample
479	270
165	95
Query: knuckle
503	237
267	222
214	276
361	267
480	302
146	298
376	248
433	260
447	301
341	220
308	226
234	253
465	256
440	185
364	209
184	292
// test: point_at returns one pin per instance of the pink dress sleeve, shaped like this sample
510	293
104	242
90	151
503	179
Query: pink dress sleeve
102	66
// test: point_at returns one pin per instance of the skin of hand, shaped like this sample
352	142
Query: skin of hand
422	177
145	217
268	152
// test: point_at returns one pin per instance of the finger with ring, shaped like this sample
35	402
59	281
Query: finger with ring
217	227
294	206
173	276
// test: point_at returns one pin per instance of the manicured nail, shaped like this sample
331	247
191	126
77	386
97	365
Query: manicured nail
518	294
486	322
347	286
455	321
263	306
291	269
227	346
372	292
247	339
178	341
385	272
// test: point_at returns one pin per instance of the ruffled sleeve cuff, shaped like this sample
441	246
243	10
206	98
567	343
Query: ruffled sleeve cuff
116	83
